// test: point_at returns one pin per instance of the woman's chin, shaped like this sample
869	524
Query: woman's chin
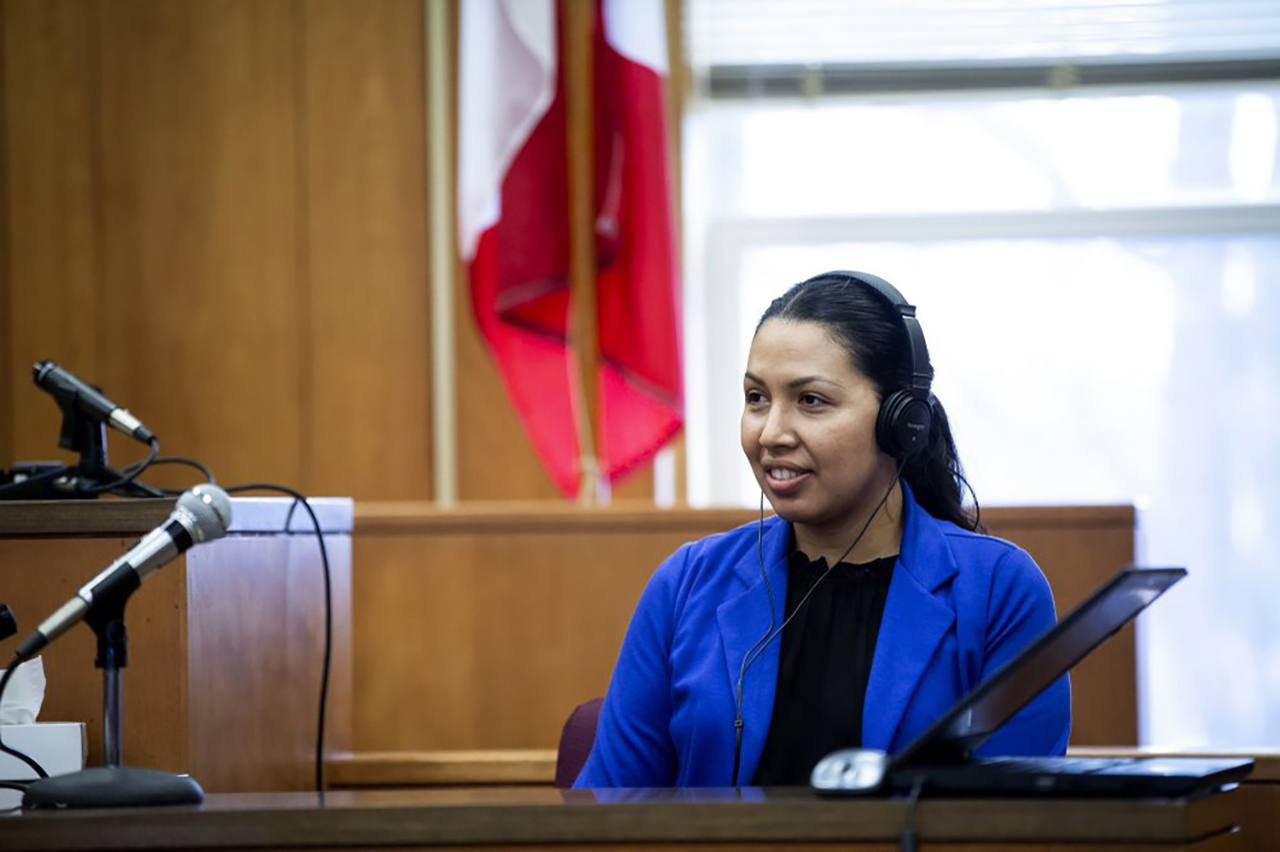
791	511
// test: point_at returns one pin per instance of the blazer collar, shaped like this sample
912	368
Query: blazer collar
744	621
915	621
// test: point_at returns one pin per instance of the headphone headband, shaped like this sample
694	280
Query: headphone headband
906	415
921	370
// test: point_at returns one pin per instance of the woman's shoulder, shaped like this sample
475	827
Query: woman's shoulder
722	549
977	542
715	557
998	559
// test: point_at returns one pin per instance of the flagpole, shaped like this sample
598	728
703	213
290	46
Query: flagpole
443	253
678	88
578	33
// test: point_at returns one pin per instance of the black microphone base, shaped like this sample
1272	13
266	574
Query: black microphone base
112	787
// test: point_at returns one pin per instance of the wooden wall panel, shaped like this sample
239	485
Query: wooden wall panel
216	210
483	627
6	327
1084	547
51	213
199	235
368	425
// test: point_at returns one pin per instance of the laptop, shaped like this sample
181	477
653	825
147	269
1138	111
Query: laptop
941	759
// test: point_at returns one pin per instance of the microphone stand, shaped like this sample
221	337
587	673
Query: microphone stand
53	481
112	785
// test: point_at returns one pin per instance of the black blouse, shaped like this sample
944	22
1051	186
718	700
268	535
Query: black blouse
824	663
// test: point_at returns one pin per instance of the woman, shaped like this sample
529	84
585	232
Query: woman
719	682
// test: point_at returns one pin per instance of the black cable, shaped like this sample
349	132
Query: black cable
174	492
773	619
198	465
130	473
754	652
908	841
29	761
328	610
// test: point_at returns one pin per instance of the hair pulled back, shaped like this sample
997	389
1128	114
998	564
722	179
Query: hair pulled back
869	328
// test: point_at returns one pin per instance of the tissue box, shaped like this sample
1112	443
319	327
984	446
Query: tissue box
60	747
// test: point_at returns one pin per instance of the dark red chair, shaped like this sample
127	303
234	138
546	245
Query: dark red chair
576	740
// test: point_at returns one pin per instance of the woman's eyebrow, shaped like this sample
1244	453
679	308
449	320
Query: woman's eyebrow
794	383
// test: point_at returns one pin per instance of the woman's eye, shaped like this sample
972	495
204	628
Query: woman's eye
810	400
754	396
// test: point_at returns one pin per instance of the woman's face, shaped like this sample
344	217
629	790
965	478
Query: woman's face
808	428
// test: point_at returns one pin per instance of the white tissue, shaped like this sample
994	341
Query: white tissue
22	698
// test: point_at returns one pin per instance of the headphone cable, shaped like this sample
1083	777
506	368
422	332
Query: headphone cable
773	619
754	652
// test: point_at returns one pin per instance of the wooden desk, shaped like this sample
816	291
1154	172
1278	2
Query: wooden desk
705	820
225	643
538	766
1259	795
1258	798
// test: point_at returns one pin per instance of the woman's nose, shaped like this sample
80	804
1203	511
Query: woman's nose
776	429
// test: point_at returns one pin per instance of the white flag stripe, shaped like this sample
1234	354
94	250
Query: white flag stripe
637	29
507	79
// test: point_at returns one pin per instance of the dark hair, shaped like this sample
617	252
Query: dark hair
870	329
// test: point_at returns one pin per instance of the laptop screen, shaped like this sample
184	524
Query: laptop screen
977	716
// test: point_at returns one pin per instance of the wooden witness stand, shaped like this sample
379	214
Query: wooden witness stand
221	685
225	653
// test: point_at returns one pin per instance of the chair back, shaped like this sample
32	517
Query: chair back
576	739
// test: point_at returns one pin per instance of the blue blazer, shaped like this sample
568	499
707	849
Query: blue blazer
960	605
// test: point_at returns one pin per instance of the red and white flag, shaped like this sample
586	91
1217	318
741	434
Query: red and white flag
514	225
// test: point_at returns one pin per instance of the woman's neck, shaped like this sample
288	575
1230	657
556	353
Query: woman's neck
883	536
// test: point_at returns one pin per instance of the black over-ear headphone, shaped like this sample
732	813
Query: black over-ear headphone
906	414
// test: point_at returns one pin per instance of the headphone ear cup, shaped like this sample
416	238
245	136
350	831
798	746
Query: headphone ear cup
904	421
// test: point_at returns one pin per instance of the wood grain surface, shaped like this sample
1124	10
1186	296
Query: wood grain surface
225	650
363	214
483	628
216	210
44	518
442	768
52	210
654	818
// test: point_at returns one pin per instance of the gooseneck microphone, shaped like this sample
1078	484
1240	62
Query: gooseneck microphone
202	514
65	387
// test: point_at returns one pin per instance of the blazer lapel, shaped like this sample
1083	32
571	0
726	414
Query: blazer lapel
914	623
743	621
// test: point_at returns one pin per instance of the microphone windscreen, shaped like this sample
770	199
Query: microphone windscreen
210	506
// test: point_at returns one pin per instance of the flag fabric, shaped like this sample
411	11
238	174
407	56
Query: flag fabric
514	225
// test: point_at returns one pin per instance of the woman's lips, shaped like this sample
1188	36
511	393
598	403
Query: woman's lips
784	481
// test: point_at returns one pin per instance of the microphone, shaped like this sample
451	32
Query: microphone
202	514
65	387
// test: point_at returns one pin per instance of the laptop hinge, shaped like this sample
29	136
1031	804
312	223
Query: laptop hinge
946	752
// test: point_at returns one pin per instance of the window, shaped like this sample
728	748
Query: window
1098	275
